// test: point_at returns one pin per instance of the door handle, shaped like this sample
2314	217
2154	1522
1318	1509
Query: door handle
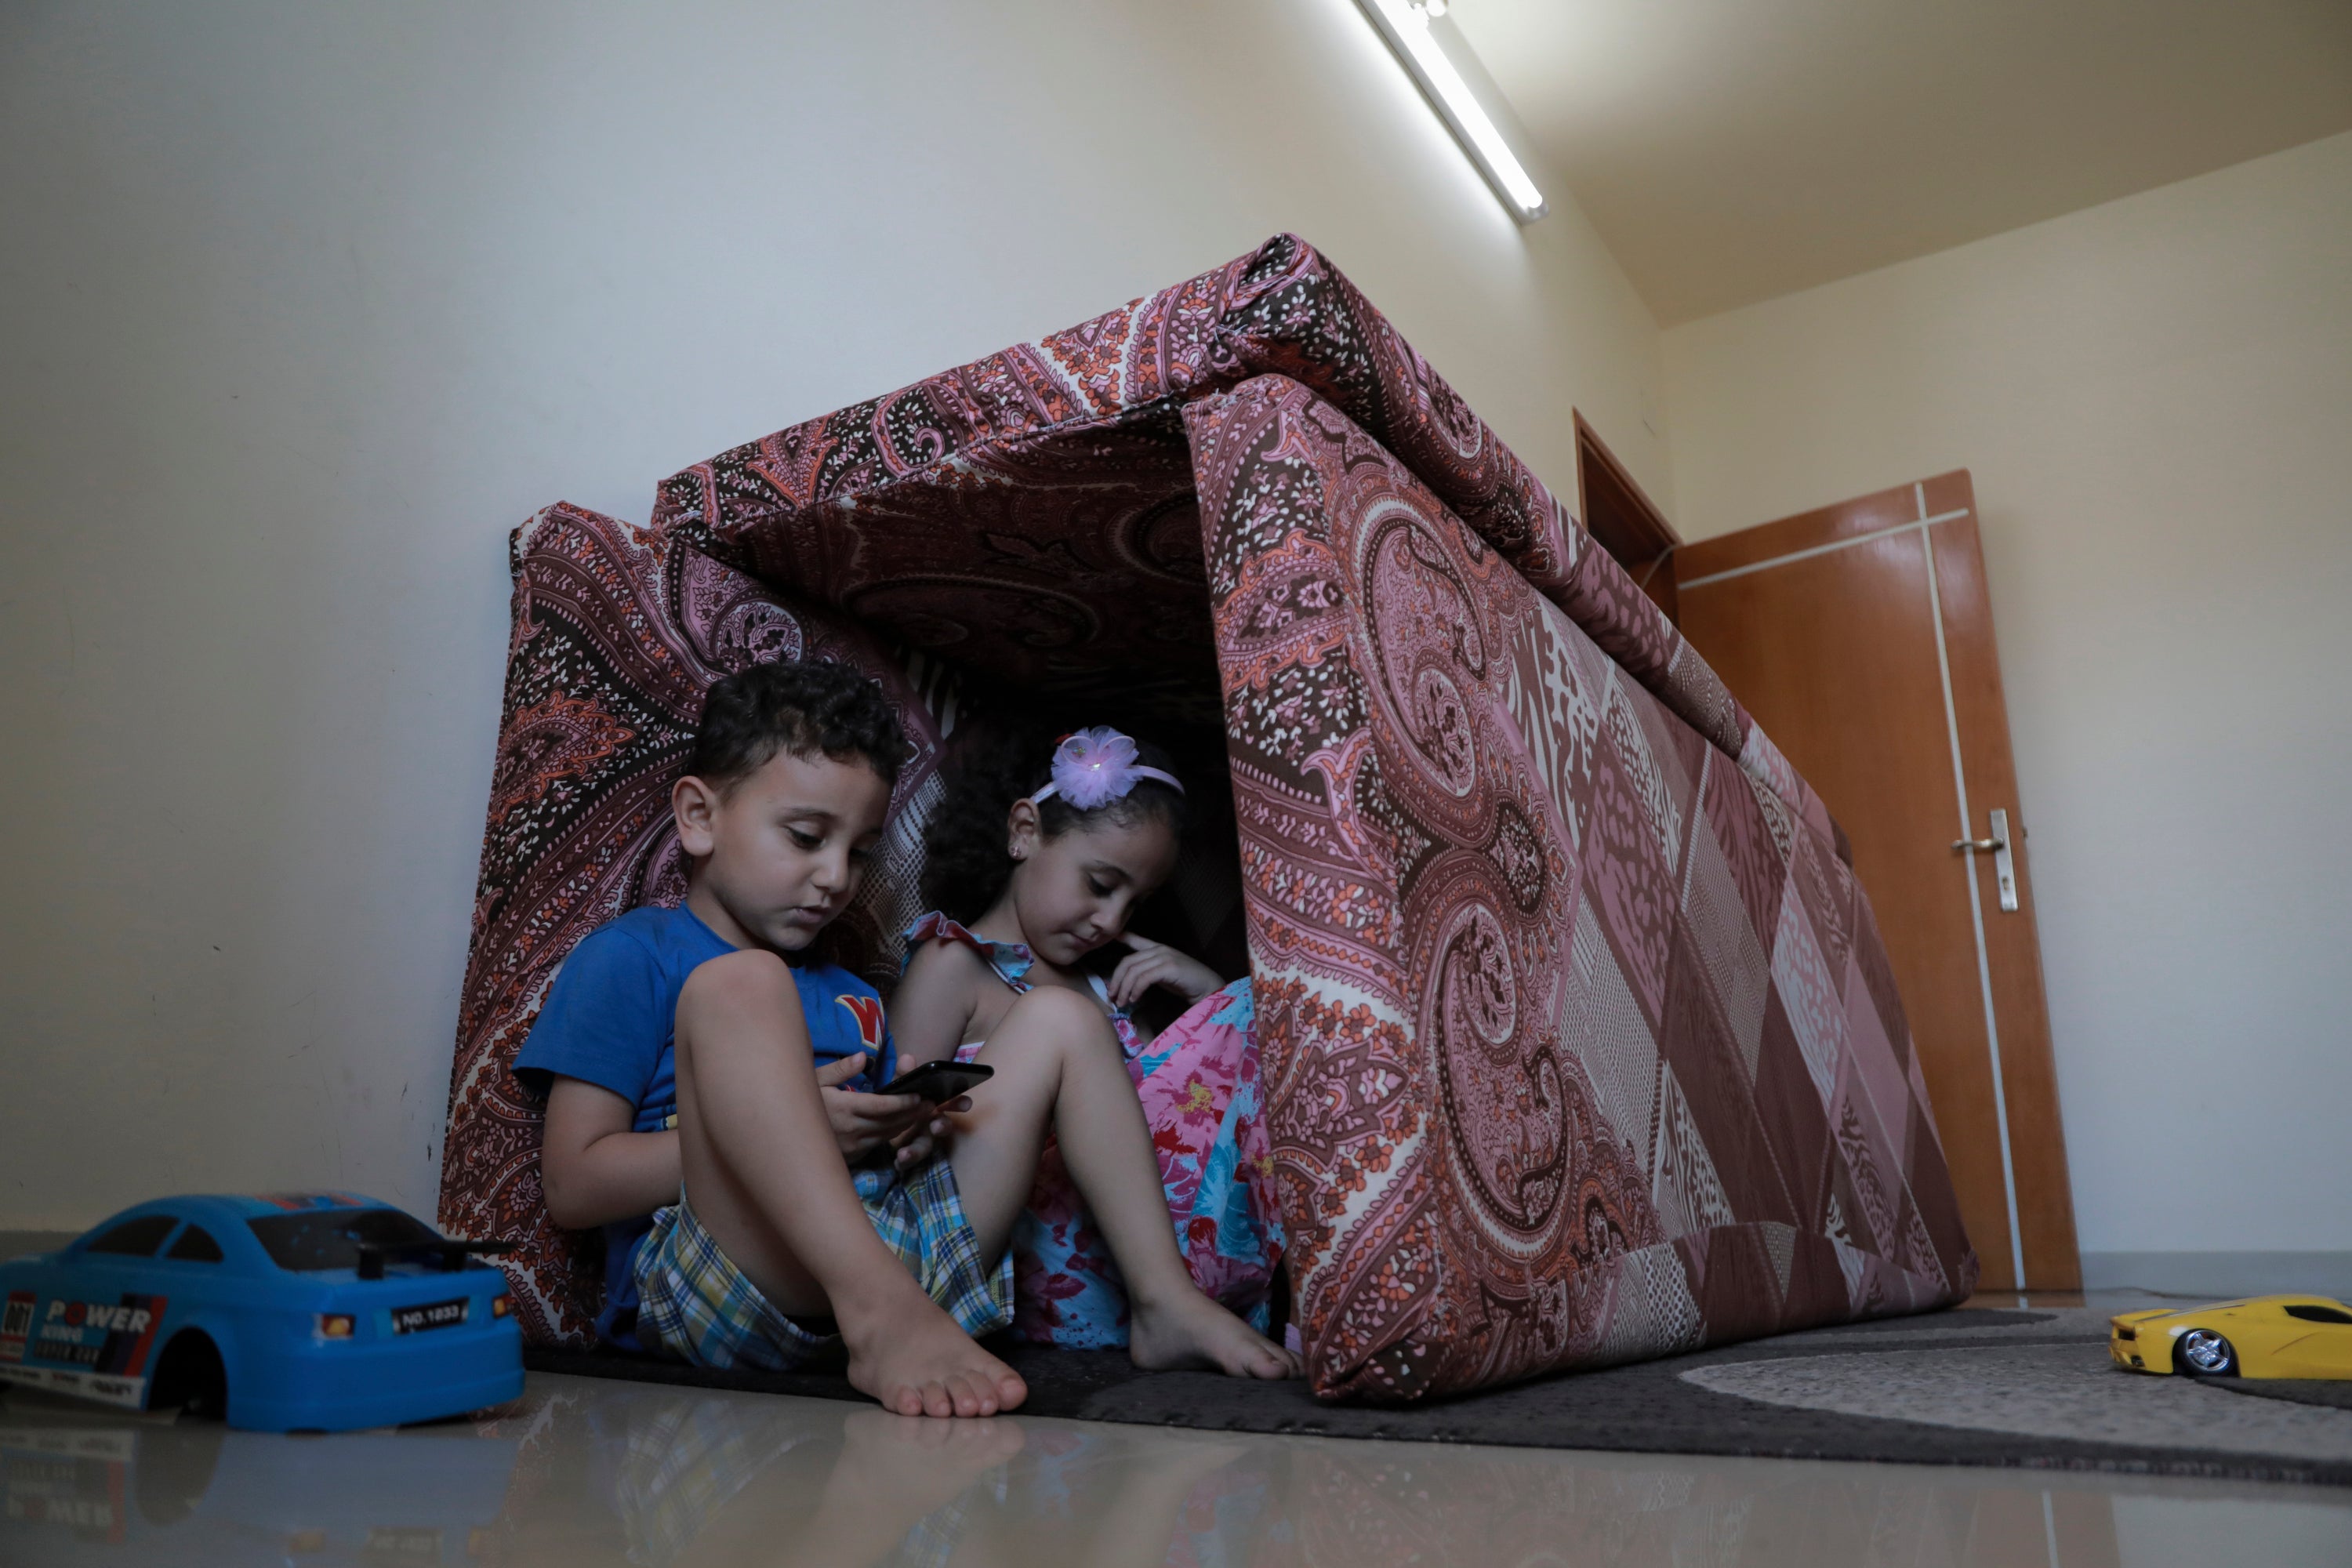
2004	869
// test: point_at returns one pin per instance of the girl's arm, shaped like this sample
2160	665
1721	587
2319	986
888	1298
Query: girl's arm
1154	963
933	1003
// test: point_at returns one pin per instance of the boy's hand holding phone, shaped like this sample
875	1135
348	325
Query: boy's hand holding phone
940	1084
863	1123
907	1114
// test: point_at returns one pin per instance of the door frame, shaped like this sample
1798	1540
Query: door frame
2042	1253
1623	519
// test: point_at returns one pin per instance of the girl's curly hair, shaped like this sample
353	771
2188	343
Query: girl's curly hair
965	866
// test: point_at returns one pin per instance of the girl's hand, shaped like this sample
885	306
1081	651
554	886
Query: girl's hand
1156	963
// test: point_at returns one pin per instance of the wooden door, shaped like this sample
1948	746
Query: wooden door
1861	638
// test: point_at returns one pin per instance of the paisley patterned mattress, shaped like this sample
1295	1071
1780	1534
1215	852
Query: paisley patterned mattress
1580	1041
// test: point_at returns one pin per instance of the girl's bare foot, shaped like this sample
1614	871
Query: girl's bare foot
1189	1329
915	1361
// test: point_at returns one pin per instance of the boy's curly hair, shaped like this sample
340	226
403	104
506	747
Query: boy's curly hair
965	866
806	706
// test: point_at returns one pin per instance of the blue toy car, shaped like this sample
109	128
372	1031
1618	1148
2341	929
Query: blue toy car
305	1311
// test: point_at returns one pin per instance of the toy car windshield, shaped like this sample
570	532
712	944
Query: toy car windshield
357	1239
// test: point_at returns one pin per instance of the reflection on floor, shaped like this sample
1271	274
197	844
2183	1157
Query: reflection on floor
584	1472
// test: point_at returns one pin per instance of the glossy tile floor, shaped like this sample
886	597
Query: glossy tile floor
587	1472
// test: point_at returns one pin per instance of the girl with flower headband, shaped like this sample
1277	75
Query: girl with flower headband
1036	860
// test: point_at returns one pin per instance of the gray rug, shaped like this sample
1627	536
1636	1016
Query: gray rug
2004	1388
2335	1395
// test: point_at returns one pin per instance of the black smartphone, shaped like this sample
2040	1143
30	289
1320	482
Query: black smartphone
939	1082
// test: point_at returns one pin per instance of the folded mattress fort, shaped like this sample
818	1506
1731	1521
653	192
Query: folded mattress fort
1580	1041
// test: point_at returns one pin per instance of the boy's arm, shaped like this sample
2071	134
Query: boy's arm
593	1169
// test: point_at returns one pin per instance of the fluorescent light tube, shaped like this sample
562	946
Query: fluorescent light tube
1406	28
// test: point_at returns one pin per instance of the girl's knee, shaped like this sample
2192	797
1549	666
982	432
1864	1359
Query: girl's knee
1062	1017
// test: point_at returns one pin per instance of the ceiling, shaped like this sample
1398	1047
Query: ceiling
1729	151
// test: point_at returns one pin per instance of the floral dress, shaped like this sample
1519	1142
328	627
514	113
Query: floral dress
1198	1081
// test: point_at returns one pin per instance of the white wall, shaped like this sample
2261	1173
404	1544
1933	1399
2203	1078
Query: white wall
306	306
2155	398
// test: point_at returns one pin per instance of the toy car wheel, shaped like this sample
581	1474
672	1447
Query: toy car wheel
190	1377
2201	1353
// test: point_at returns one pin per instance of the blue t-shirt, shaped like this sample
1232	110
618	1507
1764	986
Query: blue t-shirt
611	1020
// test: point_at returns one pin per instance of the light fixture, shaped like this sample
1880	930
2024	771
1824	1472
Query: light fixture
1405	25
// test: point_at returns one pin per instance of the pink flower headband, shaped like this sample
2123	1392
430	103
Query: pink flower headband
1096	766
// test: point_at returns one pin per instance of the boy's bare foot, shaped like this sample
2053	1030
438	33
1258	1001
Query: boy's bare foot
1190	1329
915	1361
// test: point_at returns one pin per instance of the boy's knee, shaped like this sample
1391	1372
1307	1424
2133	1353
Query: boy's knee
748	978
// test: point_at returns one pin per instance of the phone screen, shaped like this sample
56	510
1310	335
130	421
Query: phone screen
940	1081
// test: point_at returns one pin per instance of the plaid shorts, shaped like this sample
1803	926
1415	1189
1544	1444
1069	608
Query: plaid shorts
696	1305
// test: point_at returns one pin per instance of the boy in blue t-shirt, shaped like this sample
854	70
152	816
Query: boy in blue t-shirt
709	1099
607	1022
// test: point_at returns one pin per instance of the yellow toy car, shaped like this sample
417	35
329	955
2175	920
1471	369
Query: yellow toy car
2267	1336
